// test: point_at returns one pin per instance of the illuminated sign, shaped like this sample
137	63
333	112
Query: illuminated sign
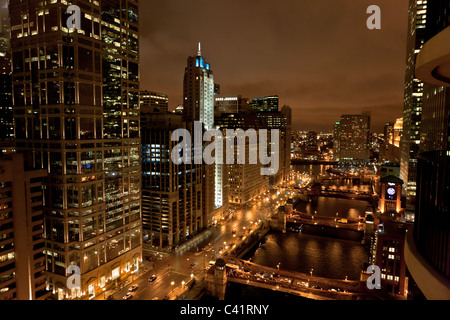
391	191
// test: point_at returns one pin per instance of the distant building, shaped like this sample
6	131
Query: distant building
229	104
76	108
311	141
22	260
199	91
282	121
337	140
353	138
265	104
153	101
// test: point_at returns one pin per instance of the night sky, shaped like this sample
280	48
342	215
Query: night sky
317	55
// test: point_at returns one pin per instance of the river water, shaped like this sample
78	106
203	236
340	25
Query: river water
326	256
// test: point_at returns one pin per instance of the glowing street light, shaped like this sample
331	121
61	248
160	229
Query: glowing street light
172	284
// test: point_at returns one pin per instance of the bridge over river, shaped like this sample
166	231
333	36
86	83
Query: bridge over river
300	284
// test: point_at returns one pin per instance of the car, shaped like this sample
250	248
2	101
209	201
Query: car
128	296
193	265
110	297
133	288
234	231
153	278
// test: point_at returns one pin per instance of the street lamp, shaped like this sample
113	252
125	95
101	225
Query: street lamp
172	284
311	273
278	266
182	284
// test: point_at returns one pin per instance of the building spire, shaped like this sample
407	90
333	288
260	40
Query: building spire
199	49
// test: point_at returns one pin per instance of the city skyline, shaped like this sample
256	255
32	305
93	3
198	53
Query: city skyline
112	189
286	47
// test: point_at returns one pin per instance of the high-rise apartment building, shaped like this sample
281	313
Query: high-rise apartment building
353	138
22	260
76	108
153	102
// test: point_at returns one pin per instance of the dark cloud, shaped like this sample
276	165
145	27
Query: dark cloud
317	55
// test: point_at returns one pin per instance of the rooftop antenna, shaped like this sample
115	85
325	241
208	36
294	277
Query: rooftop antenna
199	49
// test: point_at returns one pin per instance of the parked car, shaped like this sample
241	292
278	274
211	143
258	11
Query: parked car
153	278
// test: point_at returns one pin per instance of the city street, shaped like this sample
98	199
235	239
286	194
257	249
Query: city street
191	260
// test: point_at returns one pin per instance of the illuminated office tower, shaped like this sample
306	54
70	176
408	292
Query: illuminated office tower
337	140
241	182
412	111
76	108
199	91
22	261
153	101
265	104
427	253
353	135
282	121
6	111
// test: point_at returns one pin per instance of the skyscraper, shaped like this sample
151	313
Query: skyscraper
76	108
172	195
22	261
353	136
229	104
427	255
6	111
199	91
152	101
412	112
279	120
269	103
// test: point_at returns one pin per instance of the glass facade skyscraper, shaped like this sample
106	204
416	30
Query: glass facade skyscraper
76	108
412	111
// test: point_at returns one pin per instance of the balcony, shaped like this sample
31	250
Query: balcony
433	60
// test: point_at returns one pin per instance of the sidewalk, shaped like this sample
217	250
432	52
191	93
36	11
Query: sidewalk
130	278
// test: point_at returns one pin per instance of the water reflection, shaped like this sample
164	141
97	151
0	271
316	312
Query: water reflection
328	207
330	258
